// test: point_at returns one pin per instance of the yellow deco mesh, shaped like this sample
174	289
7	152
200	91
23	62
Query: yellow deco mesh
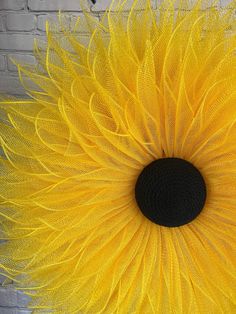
146	84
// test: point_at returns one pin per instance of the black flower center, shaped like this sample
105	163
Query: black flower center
170	192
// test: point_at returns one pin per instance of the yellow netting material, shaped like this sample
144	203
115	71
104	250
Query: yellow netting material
146	84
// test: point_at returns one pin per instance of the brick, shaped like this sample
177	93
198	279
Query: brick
41	24
54	5
225	3
2	67
20	22
12	4
26	58
6	310
24	42
1	23
22	299
103	5
42	19
67	20
2	278
10	85
8	296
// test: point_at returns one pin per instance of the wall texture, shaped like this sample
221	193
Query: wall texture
20	22
23	20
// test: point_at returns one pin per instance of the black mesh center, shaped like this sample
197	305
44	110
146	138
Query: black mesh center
170	192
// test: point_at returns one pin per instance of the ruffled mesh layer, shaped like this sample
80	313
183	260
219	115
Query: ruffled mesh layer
146	84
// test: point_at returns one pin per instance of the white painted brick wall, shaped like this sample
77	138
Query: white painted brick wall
1	23
8	296
22	58
13	311
14	42
102	5
2	63
9	84
54	5
20	22
12	4
41	25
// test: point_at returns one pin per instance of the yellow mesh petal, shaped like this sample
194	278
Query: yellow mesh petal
145	84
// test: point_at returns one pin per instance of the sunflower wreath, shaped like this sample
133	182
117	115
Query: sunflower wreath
118	174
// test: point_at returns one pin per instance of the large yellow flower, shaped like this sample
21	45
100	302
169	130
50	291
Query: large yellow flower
118	178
